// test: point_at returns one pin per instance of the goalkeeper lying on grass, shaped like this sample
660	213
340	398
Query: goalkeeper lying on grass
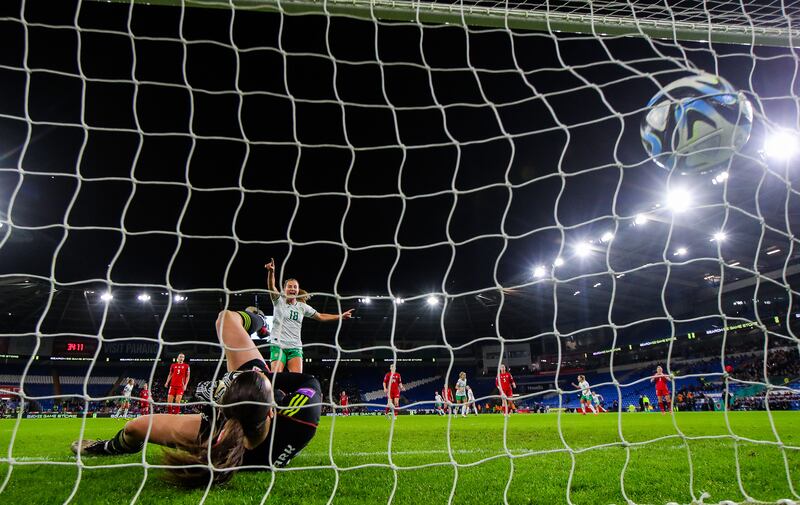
240	428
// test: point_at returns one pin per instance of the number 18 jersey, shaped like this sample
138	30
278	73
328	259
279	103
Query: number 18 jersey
288	321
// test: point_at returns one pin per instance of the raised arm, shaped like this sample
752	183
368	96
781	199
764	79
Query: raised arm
319	316
273	290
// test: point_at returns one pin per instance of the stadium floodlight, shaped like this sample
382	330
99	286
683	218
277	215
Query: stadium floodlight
597	284
539	272
607	236
399	301
432	300
774	251
583	249
179	298
558	262
367	300
681	251
781	145
720	178
576	293
107	296
640	219
143	297
678	200
719	236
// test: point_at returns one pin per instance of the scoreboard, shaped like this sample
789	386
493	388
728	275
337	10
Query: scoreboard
74	347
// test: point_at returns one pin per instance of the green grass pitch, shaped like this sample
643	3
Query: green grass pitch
426	468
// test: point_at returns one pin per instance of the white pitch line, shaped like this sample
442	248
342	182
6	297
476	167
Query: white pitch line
34	458
516	452
397	453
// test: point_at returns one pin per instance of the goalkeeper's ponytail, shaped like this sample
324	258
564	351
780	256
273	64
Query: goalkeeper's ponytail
190	468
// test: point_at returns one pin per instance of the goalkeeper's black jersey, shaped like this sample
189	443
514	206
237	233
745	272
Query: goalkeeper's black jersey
299	406
299	399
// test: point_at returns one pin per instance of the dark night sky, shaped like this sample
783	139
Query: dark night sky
436	170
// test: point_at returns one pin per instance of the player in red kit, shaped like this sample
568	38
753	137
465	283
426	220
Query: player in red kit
505	384
144	400
662	389
392	385
177	380
447	394
343	401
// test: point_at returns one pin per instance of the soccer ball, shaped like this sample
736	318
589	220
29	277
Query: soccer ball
696	123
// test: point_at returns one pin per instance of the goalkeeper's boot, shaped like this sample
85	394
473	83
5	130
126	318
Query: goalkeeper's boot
90	447
113	447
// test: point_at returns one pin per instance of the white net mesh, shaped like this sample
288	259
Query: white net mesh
475	168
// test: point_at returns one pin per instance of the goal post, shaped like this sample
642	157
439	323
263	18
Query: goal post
606	18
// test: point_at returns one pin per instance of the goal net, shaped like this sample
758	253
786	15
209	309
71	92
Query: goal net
470	177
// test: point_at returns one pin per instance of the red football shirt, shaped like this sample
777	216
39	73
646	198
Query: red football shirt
448	394
179	372
662	383
343	399
504	380
144	394
392	381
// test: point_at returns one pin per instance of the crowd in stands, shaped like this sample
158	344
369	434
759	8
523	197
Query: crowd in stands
9	408
781	363
781	400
